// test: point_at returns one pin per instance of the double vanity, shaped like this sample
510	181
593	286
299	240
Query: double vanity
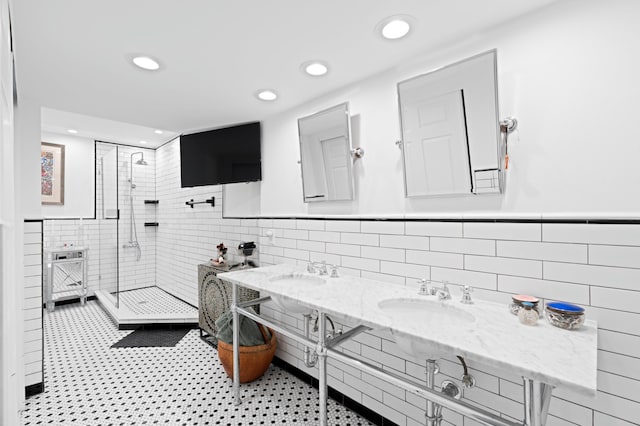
425	327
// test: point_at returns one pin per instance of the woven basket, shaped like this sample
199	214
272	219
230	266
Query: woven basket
214	297
254	360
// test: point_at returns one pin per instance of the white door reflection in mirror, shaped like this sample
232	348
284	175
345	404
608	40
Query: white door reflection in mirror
325	155
336	167
437	157
450	128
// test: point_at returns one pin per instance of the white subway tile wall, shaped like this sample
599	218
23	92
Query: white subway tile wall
188	236
499	259
32	309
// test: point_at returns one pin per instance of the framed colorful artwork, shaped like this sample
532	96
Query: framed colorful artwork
52	173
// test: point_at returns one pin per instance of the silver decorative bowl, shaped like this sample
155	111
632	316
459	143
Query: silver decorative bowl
565	315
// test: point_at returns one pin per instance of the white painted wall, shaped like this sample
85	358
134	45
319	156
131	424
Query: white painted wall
241	199
567	73
28	157
79	180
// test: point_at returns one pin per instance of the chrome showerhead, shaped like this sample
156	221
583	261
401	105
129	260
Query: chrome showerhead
140	161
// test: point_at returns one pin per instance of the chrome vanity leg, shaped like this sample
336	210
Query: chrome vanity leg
236	344
322	367
537	396
432	370
85	274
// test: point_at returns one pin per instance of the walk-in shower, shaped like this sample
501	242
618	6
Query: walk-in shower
125	248
133	231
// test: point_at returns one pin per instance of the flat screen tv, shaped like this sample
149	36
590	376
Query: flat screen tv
225	155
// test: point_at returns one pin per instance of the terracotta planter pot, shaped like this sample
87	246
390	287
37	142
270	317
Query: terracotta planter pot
254	360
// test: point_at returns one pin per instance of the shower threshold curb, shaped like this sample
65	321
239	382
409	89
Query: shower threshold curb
124	319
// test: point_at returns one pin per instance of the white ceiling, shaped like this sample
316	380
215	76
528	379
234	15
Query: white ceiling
102	129
73	55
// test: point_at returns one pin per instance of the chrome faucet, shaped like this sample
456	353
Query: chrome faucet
443	292
322	267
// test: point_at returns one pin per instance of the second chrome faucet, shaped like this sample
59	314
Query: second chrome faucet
321	268
443	292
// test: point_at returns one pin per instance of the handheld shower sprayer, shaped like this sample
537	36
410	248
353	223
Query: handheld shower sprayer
133	233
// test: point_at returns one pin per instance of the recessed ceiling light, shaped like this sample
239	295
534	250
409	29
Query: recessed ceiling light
158	132
395	27
315	68
267	95
146	63
72	131
143	142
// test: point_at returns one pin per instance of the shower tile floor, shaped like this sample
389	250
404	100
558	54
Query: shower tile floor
154	300
88	383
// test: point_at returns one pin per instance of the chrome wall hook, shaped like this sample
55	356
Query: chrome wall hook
508	124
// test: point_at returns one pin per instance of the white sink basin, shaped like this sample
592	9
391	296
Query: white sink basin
297	282
298	279
432	313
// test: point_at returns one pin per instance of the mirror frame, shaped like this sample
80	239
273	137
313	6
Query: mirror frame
343	107
498	172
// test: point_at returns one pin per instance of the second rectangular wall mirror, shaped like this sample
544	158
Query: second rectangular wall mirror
450	129
325	153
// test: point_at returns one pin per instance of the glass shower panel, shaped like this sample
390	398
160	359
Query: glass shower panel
136	258
130	248
107	212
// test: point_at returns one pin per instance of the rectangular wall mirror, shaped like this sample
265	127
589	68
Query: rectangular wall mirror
450	129
325	153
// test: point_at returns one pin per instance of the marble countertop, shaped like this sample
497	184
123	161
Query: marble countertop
495	337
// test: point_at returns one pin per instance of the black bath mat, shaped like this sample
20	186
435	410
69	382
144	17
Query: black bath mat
154	337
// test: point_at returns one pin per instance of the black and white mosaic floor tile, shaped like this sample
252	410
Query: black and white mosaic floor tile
154	300
87	383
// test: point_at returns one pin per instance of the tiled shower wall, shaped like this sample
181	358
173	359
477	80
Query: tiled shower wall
189	236
104	240
136	273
